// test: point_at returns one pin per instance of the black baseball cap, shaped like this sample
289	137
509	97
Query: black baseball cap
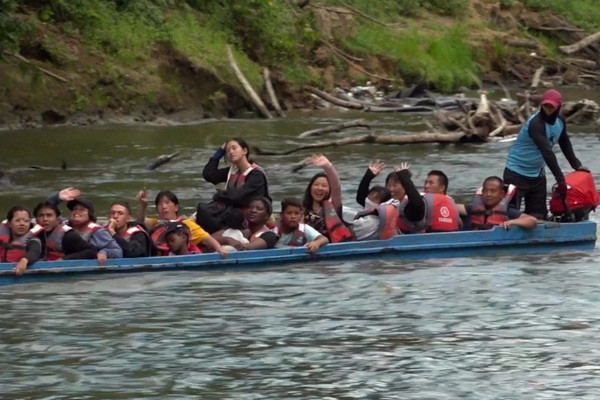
175	227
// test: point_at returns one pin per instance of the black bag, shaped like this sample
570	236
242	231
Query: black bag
212	216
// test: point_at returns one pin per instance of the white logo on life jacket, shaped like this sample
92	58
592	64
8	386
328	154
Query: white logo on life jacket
445	212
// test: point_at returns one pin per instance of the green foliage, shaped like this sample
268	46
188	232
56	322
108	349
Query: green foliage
390	10
9	27
452	61
455	8
445	61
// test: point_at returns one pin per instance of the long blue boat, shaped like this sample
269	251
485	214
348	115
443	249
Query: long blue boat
549	236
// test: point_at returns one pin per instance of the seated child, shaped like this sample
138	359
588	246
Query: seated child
292	232
177	237
368	225
235	226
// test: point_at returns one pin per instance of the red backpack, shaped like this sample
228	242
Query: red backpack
581	194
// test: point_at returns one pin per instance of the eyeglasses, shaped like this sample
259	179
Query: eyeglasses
22	220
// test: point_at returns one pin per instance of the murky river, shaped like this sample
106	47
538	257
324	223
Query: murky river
510	327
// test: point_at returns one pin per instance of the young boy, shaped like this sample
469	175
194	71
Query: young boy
177	237
294	233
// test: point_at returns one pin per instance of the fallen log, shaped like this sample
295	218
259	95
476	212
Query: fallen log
160	160
246	85
271	93
370	138
368	17
301	164
523	43
359	123
333	100
586	41
45	71
582	62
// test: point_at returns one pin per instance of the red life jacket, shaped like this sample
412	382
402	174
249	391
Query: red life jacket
192	249
14	250
134	230
484	218
581	192
441	213
158	238
87	231
336	229
388	216
298	237
54	249
404	224
237	179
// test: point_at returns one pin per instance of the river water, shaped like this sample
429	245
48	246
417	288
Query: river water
510	327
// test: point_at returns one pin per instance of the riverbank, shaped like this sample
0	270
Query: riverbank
95	62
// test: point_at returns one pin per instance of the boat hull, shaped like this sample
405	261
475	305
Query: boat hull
545	237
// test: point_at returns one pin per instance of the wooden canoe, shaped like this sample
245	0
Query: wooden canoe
550	236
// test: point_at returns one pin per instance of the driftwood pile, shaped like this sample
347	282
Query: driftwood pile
582	66
476	122
488	119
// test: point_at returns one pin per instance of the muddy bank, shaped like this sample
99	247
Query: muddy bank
64	81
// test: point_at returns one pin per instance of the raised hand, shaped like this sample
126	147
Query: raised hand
404	166
320	160
142	197
376	167
69	194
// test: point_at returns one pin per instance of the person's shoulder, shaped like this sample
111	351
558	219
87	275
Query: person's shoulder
191	223
310	231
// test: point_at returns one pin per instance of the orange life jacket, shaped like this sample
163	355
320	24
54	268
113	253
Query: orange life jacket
388	216
336	229
14	250
441	213
54	249
484	218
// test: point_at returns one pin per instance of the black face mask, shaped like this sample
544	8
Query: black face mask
550	119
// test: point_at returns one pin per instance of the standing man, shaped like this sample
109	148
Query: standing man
133	239
533	150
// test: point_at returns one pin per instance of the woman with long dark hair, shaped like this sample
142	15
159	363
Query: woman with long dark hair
244	180
323	202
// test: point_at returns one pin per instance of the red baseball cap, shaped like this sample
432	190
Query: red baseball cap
552	97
